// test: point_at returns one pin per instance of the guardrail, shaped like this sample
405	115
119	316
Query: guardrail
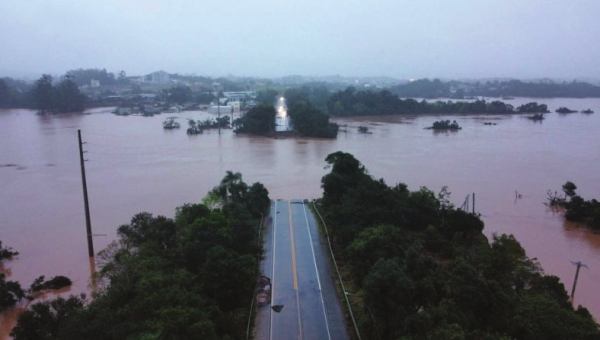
338	271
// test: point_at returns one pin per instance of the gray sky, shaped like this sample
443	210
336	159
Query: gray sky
397	38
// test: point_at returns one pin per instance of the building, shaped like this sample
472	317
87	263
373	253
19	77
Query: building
220	109
159	77
235	104
94	83
239	95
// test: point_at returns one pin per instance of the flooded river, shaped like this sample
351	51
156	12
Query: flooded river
135	165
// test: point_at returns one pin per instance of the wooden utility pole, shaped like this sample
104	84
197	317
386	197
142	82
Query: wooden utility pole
473	203
579	265
88	223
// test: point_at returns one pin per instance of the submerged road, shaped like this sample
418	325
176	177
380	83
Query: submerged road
301	279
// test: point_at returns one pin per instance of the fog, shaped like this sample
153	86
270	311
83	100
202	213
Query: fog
403	39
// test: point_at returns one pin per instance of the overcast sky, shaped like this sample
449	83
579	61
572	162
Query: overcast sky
397	38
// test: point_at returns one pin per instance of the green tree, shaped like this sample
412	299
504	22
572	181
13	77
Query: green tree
43	320
259	120
68	98
43	94
180	94
267	96
228	276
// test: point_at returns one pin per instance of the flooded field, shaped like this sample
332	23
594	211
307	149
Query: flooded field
135	165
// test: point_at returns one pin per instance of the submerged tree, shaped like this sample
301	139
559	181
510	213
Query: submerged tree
43	94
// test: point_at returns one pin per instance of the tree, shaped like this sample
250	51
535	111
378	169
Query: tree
5	94
228	276
180	94
569	189
44	319
43	94
68	98
83	77
122	78
10	293
310	122
260	120
266	96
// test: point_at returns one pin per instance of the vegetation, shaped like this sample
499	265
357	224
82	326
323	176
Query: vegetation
537	117
191	277
10	293
309	121
259	120
220	122
425	88
445	125
10	96
266	96
6	252
317	96
577	208
83	77
56	282
367	103
563	109
533	108
64	97
179	94
422	269
363	129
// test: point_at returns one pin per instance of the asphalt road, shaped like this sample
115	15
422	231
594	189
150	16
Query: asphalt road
301	278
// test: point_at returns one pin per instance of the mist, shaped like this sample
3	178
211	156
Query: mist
402	39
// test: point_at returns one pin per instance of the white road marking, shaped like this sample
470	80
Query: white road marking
273	275
317	271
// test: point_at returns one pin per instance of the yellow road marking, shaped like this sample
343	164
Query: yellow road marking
293	248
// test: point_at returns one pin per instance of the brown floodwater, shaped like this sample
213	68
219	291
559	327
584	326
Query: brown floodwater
135	165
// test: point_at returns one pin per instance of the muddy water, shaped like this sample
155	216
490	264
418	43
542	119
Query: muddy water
134	165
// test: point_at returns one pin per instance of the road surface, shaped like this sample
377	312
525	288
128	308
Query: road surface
302	282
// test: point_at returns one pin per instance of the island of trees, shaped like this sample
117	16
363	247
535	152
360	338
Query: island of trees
259	120
445	125
307	119
577	208
419	268
45	95
351	102
191	277
563	109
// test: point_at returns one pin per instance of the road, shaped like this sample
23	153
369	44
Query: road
301	278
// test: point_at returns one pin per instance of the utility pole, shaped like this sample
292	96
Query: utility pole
579	265
88	223
473	203
219	111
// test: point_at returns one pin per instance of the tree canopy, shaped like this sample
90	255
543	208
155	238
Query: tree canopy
422	269
351	102
191	277
64	97
259	120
